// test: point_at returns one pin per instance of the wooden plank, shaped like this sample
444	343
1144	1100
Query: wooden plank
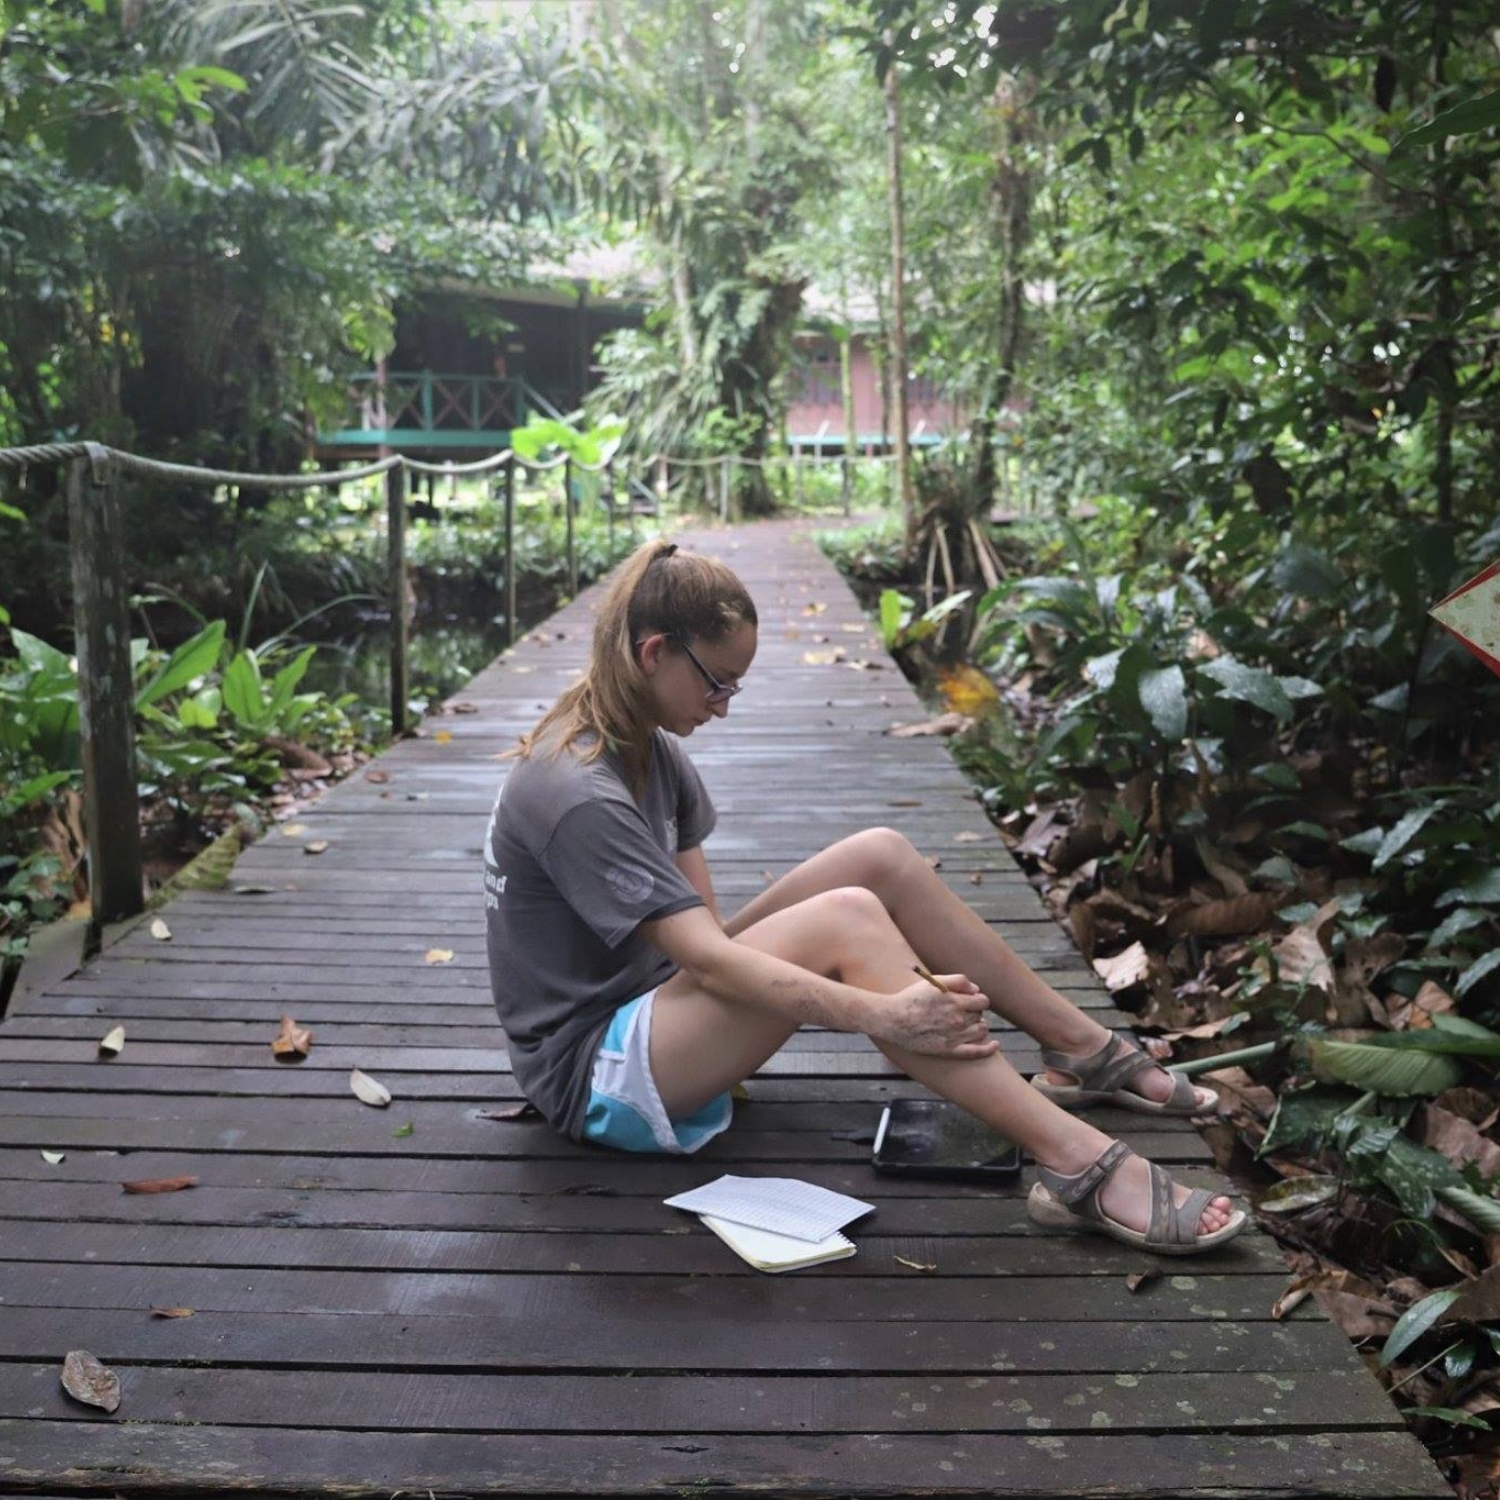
561	1252
681	1343
668	1404
150	1457
1186	1298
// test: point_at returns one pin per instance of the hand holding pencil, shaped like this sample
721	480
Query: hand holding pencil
949	1023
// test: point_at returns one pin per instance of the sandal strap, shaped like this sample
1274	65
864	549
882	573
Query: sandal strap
1104	1071
1079	1191
1171	1223
1184	1093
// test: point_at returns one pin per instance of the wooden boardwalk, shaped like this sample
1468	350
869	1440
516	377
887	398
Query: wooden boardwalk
481	1307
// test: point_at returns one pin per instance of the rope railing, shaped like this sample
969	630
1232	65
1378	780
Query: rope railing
106	697
101	609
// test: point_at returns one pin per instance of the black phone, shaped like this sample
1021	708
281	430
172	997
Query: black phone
932	1138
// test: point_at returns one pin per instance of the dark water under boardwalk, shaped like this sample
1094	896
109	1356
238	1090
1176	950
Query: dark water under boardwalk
478	1306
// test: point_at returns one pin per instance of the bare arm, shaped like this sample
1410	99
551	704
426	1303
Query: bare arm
695	867
919	1017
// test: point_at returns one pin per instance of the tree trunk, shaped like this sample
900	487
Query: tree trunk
898	300
1010	196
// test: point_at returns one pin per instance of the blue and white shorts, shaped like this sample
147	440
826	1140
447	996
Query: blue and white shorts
625	1111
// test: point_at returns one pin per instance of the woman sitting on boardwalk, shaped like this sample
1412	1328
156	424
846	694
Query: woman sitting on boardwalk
632	1008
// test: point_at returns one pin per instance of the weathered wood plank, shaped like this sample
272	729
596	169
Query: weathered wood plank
151	1457
413	1401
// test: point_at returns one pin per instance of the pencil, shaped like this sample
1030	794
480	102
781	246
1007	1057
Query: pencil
931	978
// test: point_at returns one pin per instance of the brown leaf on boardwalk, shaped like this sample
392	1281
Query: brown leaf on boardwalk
160	1184
1137	1279
465	707
292	1040
521	1111
976	878
824	658
929	1266
904	802
316	847
951	723
1293	1295
254	890
968	836
443	737
815	608
440	955
291	830
171	1312
86	1380
112	1042
378	777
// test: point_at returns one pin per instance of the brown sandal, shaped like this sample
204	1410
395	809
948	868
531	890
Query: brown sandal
1102	1078
1062	1201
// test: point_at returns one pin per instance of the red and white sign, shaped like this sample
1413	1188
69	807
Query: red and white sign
1472	613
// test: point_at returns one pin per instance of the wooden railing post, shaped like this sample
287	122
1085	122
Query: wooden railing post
106	692
572	540
510	550
395	514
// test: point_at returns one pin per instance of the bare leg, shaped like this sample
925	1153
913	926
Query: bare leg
948	937
700	1045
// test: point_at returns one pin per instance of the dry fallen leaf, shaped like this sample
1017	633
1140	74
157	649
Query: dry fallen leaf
113	1042
255	890
1124	969
824	658
291	830
1137	1279
53	1157
171	1312
292	1040
443	737
976	878
378	777
929	1266
440	955
316	847
160	1184
367	1090
86	1380
160	931
904	802
473	708
815	608
968	836
951	723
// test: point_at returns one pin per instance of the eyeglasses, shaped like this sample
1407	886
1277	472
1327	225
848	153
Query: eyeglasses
718	692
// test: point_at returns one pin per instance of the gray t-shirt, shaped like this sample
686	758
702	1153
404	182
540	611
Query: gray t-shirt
573	866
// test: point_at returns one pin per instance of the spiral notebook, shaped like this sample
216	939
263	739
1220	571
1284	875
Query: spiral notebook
778	1252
